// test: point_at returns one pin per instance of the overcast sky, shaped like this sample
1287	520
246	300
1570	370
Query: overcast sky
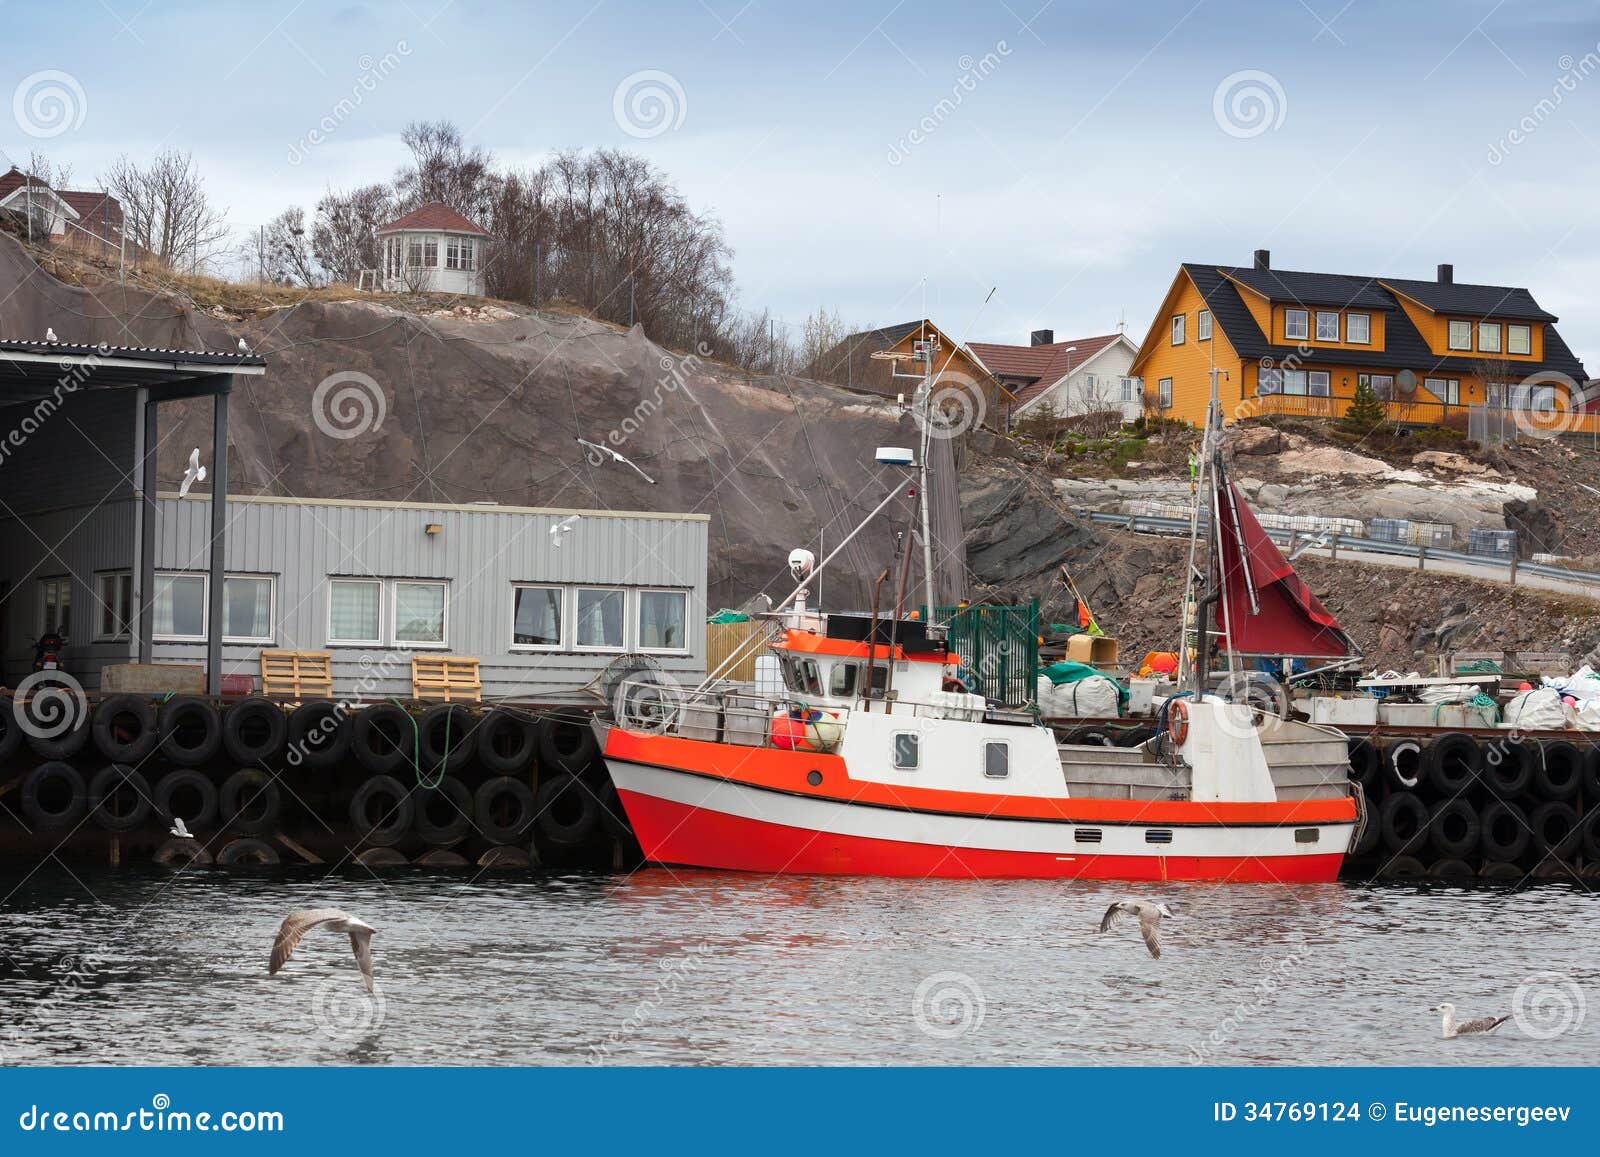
866	155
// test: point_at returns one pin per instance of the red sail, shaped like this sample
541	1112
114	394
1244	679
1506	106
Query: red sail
1288	619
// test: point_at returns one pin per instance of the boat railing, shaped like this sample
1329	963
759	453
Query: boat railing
746	718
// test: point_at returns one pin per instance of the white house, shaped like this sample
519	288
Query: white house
433	249
1079	376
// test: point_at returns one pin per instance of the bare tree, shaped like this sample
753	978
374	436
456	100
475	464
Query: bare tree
443	168
820	335
165	208
286	257
344	237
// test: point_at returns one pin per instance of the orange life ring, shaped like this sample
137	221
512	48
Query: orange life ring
1178	720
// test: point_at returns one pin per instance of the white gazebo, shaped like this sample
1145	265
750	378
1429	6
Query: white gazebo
432	249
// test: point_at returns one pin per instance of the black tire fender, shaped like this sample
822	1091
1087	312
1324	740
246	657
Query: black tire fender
125	729
384	737
1557	830
449	799
202	811
504	809
1405	823
107	786
54	796
381	811
1508	766
567	743
191	730
1504	827
319	734
1454	828
447	736
567	813
508	742
249	802
247	851
1454	762
1402	763
254	731
1366	763
1559	773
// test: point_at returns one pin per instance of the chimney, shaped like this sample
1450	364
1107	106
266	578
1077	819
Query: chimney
1042	337
1447	274
1263	259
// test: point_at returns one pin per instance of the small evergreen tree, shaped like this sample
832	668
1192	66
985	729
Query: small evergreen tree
1366	412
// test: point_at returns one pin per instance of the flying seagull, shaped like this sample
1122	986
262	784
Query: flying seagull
615	457
297	924
1149	916
179	829
1450	1027
192	473
563	527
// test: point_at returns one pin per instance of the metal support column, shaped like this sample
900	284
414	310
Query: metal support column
219	533
147	535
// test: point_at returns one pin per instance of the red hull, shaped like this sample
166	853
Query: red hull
675	833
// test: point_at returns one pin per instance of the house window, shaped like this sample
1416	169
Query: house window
1489	337
1382	385
1177	329
1269	381
600	618
1164	394
419	614
55	601
1327	325
1296	324
1132	388
1519	339
354	611
1461	335
430	252
996	760
1447	390
247	609
663	620
116	604
536	616
906	753
1202	325
458	253
1294	382
180	607
414	253
1358	328
1317	383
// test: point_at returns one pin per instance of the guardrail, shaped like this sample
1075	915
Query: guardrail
1333	544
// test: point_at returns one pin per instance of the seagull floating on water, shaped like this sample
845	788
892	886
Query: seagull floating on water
1149	915
178	829
297	924
1450	1027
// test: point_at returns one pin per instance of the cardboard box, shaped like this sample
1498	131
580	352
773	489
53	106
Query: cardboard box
1095	650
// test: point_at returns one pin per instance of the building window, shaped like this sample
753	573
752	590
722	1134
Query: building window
1202	325
247	609
1519	339
55	602
1132	388
419	614
414	253
906	753
1317	383
1383	386
663	620
1447	390
1358	328
1327	325
1269	381
180	607
996	760
1177	329
1294	382
1164	394
354	607
458	253
536	616
430	253
1461	335
1296	324
600	618
116	604
1489	337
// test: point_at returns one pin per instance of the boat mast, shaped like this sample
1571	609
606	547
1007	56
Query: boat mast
926	395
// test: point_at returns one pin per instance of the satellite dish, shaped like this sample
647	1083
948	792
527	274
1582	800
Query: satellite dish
1406	381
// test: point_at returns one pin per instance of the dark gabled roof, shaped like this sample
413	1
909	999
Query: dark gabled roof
1334	289
1474	301
884	336
1404	347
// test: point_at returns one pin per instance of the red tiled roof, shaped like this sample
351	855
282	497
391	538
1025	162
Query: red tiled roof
101	208
1038	366
434	216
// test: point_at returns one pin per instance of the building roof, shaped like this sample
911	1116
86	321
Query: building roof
34	369
1404	347
1474	301
435	215
1039	367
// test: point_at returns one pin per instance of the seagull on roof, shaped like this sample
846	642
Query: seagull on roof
244	346
50	335
1450	1027
563	527
296	924
1148	913
607	451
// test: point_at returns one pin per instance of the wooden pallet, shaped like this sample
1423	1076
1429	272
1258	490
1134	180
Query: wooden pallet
447	678
297	674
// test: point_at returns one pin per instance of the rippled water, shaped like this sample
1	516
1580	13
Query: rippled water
659	967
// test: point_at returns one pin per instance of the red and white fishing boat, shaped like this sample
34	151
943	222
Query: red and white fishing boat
869	763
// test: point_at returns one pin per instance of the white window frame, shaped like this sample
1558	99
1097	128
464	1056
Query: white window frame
1450	334
1366	329
1488	327
1163	393
1526	332
1179	327
1269	381
400	644
332	642
1293	379
1202	325
61	582
637	619
272	608
1303	316
561	616
589	648
894	750
1319	384
205	606
118	579
1323	314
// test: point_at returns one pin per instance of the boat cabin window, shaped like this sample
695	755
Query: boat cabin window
996	760
906	753
847	677
801	676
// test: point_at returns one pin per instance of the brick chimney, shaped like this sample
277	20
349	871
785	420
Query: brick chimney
1042	337
1447	274
1263	259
